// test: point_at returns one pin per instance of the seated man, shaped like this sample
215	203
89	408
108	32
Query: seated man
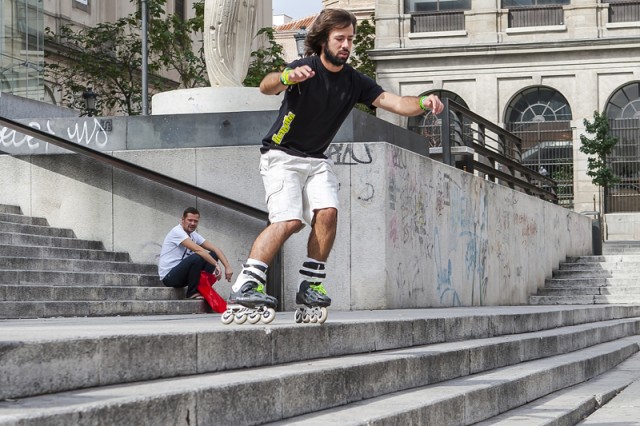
185	253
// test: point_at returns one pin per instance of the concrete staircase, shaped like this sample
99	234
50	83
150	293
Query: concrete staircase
48	272
547	364
461	366
613	277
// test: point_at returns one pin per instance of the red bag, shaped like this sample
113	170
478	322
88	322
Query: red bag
205	288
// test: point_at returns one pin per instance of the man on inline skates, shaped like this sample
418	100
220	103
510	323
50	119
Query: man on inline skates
301	187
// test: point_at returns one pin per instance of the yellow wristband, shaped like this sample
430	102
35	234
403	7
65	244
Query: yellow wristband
284	77
421	102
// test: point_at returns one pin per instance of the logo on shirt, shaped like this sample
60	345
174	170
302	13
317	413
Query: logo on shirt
286	125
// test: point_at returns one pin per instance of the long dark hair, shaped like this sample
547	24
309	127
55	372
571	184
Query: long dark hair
327	20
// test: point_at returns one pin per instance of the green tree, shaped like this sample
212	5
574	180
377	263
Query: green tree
264	60
171	44
597	149
364	42
108	58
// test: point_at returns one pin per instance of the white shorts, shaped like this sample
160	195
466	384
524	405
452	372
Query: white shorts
297	186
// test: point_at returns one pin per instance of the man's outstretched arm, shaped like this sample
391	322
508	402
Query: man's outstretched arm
408	105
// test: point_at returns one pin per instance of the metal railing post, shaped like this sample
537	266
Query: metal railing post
446	134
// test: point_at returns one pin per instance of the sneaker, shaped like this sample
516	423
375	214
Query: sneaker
196	296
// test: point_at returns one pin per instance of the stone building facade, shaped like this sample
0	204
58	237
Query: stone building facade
535	68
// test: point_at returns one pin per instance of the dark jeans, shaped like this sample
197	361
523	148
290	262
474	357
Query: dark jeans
187	272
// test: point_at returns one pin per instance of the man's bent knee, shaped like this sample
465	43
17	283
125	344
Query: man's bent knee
290	227
326	217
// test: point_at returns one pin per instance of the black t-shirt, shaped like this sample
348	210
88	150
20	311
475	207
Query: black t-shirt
313	111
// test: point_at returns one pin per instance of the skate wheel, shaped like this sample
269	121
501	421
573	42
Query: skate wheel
306	318
322	317
297	316
268	315
227	317
240	317
254	317
313	318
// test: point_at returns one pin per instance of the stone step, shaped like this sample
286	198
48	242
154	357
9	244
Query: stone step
4	208
591	273
46	293
601	266
22	219
621	410
584	300
589	282
621	249
89	353
605	290
468	400
7	238
47	231
395	387
51	309
15	277
571	405
608	258
75	265
42	252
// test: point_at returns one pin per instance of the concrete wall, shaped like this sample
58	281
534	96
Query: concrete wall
412	231
16	107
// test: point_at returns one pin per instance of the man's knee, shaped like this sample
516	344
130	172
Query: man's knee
327	218
290	227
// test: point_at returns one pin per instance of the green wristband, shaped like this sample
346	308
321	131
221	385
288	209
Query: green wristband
421	102
284	77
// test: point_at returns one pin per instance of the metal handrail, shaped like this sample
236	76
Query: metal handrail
274	272
453	118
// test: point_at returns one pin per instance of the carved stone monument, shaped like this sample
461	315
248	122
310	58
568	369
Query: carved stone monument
229	29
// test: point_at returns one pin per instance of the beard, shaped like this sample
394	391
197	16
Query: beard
334	59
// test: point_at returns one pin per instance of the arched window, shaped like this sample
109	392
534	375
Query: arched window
428	125
625	102
623	112
541	117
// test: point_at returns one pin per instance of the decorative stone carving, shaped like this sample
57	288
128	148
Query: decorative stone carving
230	26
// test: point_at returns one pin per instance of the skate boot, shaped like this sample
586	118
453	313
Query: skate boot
314	299
250	302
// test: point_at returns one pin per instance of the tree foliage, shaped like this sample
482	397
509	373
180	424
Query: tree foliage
363	42
108	58
265	60
171	45
598	148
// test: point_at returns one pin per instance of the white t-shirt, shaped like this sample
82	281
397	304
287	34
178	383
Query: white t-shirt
172	252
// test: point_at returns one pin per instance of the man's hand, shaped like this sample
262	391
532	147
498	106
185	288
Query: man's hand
228	273
300	74
434	104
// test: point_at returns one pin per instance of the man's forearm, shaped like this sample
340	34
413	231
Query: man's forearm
206	256
271	84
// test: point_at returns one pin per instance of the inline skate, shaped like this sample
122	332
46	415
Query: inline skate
314	300
250	304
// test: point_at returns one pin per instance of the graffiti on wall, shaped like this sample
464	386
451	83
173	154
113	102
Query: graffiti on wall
85	132
349	154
